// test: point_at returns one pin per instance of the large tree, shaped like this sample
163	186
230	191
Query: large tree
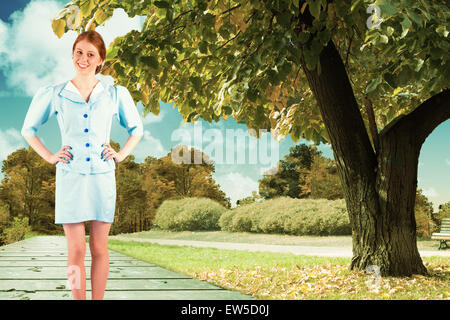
318	69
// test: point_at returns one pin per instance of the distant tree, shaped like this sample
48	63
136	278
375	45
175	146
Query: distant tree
288	181
444	211
321	181
253	198
4	218
132	213
423	211
28	188
164	179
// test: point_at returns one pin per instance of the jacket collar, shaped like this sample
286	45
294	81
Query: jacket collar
70	92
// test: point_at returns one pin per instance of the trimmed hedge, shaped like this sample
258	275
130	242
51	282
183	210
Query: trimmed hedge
189	214
285	215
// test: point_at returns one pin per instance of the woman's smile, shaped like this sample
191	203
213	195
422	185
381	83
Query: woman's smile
83	66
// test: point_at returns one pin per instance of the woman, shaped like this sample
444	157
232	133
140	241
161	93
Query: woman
85	165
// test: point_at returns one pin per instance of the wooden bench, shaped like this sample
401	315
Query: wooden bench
444	234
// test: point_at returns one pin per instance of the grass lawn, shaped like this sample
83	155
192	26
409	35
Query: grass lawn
268	275
261	238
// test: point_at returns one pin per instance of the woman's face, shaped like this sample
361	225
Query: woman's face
86	57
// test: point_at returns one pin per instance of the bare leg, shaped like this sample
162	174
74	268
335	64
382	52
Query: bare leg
98	244
76	246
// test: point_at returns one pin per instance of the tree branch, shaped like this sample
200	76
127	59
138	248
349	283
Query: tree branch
372	125
423	120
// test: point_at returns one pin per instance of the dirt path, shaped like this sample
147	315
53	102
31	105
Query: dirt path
298	250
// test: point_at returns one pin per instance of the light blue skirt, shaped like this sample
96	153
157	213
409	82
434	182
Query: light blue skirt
82	197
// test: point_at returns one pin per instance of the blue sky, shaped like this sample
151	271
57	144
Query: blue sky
32	56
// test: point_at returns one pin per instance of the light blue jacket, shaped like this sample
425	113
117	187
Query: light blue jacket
84	126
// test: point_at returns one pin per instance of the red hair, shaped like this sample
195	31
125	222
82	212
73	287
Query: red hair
96	39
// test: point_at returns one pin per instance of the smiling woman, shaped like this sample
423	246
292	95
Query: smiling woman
85	165
89	52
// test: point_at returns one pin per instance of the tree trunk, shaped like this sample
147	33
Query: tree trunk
379	189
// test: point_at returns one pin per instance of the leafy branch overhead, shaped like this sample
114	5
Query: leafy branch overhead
241	58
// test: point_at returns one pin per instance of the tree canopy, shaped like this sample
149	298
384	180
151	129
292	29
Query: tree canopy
242	58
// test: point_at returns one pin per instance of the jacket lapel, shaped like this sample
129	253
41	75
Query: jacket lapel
70	92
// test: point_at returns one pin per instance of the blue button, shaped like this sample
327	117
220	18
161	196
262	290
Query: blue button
88	159
87	144
86	130
85	115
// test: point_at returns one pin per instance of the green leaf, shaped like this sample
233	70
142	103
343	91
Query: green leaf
111	52
442	30
418	65
284	19
87	7
303	37
151	61
316	47
197	82
161	4
314	7
310	59
324	36
406	23
373	84
415	17
273	77
382	39
390	79
354	5
386	7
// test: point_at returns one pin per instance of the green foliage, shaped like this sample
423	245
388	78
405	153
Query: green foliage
426	222
16	230
289	216
189	214
303	173
28	189
4	218
253	198
444	211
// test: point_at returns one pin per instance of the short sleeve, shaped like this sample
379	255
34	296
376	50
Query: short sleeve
127	113
40	110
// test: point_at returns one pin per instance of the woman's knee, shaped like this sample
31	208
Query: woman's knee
98	249
77	251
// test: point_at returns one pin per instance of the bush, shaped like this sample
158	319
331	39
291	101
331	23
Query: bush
189	214
16	231
285	215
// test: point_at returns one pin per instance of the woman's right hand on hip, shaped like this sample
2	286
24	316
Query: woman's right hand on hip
62	155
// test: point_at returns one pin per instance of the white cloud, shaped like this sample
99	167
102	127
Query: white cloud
447	161
236	186
430	192
31	55
151	118
10	141
148	146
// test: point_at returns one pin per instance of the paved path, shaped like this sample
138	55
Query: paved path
36	268
299	250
